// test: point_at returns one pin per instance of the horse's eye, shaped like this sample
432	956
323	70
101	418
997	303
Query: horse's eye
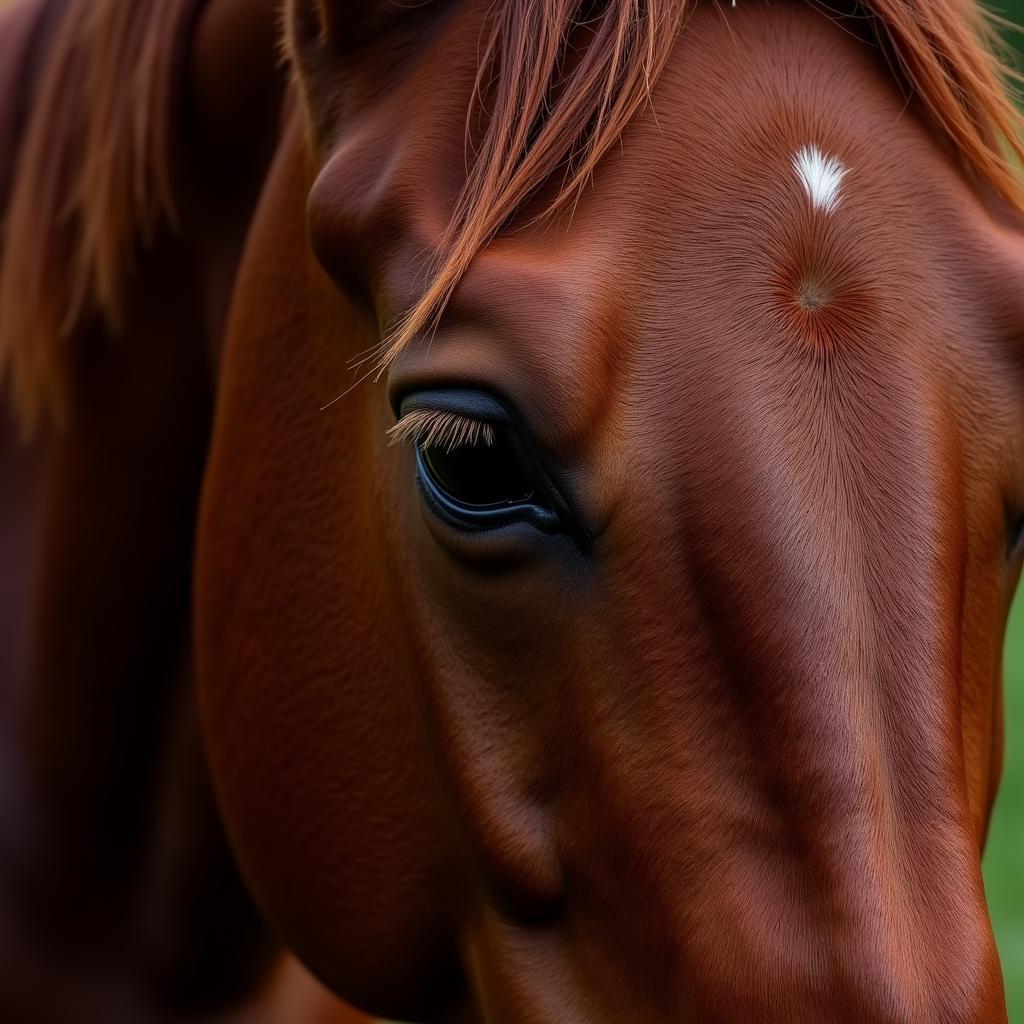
480	474
477	467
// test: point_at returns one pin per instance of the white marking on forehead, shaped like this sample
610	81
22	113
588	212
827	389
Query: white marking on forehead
821	176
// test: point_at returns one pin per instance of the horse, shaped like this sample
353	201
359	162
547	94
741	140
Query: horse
576	452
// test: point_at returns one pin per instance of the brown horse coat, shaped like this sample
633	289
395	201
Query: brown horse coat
725	747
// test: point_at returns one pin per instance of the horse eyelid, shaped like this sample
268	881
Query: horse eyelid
436	428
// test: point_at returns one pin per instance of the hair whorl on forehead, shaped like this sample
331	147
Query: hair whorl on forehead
544	117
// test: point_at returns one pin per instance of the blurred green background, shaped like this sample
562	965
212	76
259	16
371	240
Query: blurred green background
1004	857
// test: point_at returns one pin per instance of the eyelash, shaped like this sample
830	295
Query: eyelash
433	428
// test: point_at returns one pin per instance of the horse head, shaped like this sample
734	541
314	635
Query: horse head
614	510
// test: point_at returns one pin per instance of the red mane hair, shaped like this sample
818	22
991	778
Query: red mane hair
93	175
91	182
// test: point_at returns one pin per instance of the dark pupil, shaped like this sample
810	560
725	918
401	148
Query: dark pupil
479	475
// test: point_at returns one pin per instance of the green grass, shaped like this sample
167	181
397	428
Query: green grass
1004	858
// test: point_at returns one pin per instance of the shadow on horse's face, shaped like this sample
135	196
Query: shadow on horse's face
680	698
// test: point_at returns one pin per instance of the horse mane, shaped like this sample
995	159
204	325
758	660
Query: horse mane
544	118
92	181
93	178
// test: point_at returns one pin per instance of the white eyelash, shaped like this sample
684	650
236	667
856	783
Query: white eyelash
432	428
821	176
